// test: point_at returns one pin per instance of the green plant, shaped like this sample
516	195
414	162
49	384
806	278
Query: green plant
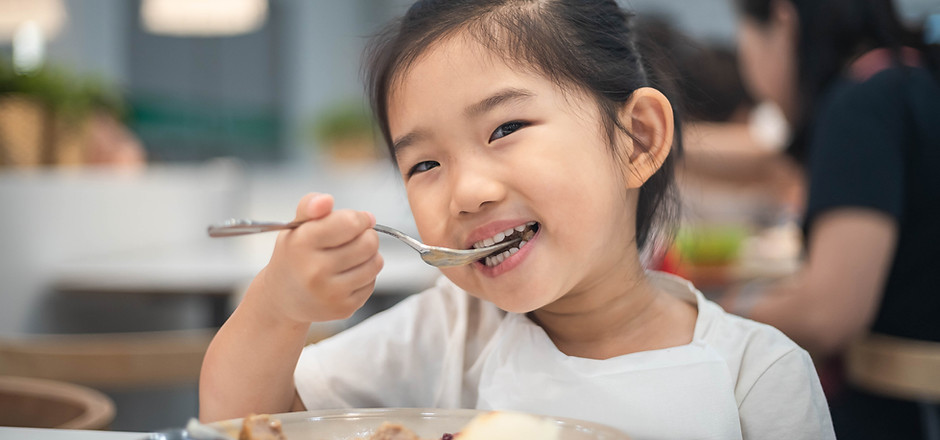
58	105
65	94
342	121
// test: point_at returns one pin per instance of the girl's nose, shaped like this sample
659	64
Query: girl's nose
474	188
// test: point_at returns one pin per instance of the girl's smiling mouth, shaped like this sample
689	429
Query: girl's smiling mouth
524	232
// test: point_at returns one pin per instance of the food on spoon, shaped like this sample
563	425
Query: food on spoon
261	427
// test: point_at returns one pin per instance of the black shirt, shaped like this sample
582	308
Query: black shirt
876	145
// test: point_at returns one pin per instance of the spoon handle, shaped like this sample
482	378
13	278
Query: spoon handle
234	227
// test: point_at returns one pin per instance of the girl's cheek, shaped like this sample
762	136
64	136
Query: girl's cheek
426	217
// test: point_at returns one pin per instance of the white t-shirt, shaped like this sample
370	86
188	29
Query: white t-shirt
443	348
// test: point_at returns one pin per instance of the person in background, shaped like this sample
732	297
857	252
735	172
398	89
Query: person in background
508	118
863	96
730	140
733	176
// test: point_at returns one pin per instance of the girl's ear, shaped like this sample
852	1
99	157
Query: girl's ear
648	116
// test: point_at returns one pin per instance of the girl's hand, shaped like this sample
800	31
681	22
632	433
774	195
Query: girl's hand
324	269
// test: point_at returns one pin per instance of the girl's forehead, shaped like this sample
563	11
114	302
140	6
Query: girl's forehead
454	53
444	79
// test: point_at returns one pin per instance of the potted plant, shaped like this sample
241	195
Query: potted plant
345	131
43	115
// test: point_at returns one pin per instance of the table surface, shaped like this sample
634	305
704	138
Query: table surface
7	433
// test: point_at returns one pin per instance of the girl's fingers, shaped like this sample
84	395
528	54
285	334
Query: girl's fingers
362	294
361	276
338	229
353	253
349	290
352	302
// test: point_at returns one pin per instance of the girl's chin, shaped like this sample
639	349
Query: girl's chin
507	301
517	308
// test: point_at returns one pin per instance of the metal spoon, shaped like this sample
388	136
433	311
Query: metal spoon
433	255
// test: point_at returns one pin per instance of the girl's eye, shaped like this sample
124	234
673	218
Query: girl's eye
422	167
506	129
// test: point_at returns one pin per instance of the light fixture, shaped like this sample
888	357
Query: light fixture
203	18
46	15
29	48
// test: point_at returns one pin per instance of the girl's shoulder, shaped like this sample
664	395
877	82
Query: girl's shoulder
880	78
774	381
880	60
741	342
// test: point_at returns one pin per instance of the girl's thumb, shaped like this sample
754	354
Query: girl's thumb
314	206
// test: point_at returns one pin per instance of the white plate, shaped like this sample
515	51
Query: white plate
350	424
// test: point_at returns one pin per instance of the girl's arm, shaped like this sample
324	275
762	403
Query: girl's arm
323	270
249	366
835	296
727	152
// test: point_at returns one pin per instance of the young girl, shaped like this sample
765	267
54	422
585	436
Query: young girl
506	118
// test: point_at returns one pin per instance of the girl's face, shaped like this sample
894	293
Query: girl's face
768	58
485	148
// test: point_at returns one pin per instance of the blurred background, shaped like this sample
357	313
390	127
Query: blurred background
128	126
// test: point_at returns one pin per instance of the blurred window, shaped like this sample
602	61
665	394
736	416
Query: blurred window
194	98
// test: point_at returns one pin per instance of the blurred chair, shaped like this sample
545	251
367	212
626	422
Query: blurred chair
116	360
902	369
108	360
151	377
40	403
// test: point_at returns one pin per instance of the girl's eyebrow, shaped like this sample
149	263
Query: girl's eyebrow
501	97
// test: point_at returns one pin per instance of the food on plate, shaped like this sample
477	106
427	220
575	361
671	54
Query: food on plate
392	431
261	427
494	425
509	426
490	426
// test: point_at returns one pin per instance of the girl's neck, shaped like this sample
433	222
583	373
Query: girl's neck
616	318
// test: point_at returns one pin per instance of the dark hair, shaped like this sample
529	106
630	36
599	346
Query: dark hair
706	76
831	34
584	44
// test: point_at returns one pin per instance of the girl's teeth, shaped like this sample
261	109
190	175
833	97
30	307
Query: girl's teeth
498	259
494	260
500	236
